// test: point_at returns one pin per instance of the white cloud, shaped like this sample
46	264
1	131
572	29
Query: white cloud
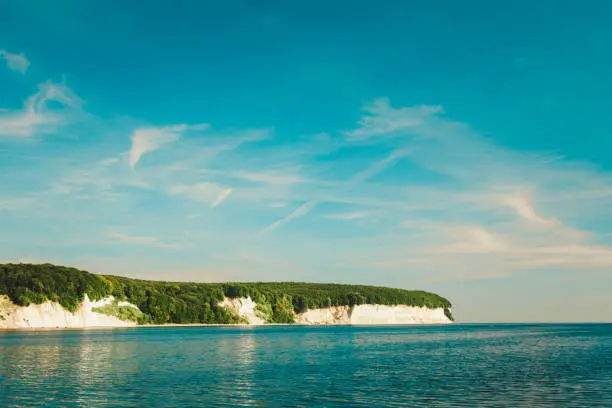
485	259
140	240
222	197
474	240
379	166
473	207
297	213
524	208
369	172
36	117
509	249
383	119
217	143
563	256
209	193
16	62
146	140
270	177
99	180
477	181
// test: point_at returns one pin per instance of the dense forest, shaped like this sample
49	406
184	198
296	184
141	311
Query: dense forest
183	302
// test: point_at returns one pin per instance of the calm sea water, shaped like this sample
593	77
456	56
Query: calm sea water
442	366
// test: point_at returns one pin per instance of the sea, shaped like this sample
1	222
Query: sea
461	365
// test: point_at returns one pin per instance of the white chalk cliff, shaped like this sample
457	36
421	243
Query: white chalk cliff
53	315
345	315
373	315
245	308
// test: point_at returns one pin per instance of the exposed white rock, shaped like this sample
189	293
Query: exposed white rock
357	315
328	315
373	315
243	307
399	314
53	315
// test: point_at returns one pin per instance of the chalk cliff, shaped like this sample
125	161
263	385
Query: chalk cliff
53	315
373	315
347	315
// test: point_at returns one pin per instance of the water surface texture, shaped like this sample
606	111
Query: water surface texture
425	366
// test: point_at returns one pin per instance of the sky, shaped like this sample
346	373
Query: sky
463	148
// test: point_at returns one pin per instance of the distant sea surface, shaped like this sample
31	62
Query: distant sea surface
289	366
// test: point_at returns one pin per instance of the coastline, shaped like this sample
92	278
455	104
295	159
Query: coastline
255	326
213	325
50	296
106	313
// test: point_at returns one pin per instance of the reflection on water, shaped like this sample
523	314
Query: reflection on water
243	353
443	366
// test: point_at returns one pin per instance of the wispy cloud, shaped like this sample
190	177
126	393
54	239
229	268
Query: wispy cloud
140	240
16	62
301	211
369	172
524	208
222	197
266	177
378	166
146	140
36	117
479	182
98	180
563	256
509	249
474	239
475	210
209	193
382	119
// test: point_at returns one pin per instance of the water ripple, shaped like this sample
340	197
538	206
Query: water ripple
442	366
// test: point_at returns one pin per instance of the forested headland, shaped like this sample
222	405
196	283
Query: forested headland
187	302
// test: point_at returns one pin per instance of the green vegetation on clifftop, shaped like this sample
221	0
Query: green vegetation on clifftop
184	302
120	311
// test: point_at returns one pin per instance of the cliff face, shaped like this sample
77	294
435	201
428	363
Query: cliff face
53	315
91	314
373	315
245	308
343	315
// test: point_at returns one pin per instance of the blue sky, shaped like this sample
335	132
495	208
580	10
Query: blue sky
458	147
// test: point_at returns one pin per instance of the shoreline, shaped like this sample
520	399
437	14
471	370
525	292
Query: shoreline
254	326
104	313
215	325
